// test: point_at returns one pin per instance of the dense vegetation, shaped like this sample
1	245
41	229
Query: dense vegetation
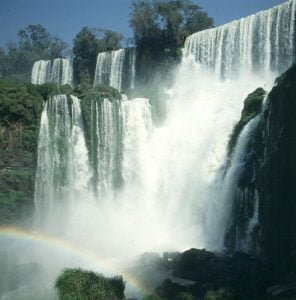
21	105
77	284
20	110
160	28
87	44
34	43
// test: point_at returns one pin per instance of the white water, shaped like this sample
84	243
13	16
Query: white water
170	197
132	67
59	71
41	71
61	142
259	43
113	66
230	182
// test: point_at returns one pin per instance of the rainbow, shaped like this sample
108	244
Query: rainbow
66	246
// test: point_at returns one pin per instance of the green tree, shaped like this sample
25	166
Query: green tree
143	21
160	28
85	52
184	296
152	297
109	40
221	294
77	284
2	62
87	44
34	43
34	37
37	39
169	22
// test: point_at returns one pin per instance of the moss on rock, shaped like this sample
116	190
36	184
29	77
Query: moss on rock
252	107
90	96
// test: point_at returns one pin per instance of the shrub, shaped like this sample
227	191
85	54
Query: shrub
78	284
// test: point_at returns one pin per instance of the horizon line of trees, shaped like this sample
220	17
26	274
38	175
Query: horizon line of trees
159	28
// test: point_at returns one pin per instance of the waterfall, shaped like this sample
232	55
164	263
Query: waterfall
262	42
41	71
112	183
116	69
136	129
158	188
132	66
59	71
63	170
231	190
259	45
109	144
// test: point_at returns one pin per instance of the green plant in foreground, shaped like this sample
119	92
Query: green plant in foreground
78	284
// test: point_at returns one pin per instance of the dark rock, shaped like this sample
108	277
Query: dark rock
269	177
240	275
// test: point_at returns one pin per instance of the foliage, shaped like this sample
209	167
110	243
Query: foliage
88	97
160	28
108	40
34	43
85	53
169	290
21	105
36	38
151	297
15	194
65	89
87	44
252	107
184	296
220	294
87	285
179	296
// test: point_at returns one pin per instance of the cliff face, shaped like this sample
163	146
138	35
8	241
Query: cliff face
20	110
268	180
277	176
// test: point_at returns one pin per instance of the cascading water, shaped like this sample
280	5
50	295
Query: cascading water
116	69
230	190
167	179
272	49
263	42
142	188
109	145
59	71
132	66
61	142
41	71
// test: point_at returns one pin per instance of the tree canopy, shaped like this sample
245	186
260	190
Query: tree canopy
160	28
34	43
87	44
36	38
166	23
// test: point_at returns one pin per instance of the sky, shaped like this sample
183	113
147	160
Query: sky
65	18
